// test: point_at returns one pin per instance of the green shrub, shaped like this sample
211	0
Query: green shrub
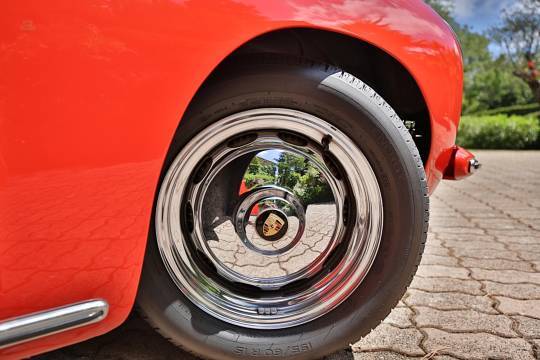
499	132
257	179
512	110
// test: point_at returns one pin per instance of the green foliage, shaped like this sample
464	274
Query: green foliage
260	166
312	188
529	109
259	172
488	83
535	114
499	132
257	179
304	179
293	172
519	35
290	169
519	31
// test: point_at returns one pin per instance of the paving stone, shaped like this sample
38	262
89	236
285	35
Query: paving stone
520	291
475	215
522	240
514	232
477	345
454	221
466	238
433	241
524	214
506	276
447	285
522	307
442	271
400	317
387	337
526	255
436	250
450	301
378	355
401	304
535	248
527	326
497	264
459	230
536	345
445	260
475	244
502	224
464	321
486	254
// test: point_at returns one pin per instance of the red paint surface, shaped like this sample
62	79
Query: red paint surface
91	93
244	189
459	165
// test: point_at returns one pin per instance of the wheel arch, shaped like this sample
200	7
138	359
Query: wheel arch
381	71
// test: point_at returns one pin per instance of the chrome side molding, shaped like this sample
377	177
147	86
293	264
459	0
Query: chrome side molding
32	326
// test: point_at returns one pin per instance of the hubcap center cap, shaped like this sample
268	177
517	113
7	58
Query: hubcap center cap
274	205
271	224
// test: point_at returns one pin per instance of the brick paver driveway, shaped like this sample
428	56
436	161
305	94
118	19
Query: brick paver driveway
476	294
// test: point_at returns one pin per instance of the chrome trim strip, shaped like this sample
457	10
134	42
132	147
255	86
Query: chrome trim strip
32	326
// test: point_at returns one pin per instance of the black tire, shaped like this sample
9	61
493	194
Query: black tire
367	119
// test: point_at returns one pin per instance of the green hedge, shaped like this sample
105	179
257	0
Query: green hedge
512	110
499	132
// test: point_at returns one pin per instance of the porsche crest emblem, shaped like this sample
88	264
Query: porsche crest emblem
272	225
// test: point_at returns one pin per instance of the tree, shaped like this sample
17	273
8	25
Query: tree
291	167
259	172
488	82
519	36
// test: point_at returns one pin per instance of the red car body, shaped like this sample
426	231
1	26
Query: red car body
91	93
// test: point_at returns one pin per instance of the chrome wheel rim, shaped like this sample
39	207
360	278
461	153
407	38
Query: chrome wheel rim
247	288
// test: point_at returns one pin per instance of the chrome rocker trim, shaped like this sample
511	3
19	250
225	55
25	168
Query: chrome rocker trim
39	324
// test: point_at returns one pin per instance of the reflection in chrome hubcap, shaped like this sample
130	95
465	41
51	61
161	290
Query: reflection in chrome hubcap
288	246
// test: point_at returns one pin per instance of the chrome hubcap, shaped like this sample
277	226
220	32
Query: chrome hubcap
288	246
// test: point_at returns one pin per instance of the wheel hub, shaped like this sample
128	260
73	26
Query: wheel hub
289	248
272	222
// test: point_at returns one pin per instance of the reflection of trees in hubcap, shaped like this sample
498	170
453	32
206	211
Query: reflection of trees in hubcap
290	171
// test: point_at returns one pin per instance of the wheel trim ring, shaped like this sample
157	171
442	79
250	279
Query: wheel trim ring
325	297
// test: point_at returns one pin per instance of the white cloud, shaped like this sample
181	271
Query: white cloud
493	7
480	14
464	9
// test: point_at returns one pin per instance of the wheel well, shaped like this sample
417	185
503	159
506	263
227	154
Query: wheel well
367	62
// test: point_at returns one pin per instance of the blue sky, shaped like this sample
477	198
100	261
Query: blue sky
479	14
